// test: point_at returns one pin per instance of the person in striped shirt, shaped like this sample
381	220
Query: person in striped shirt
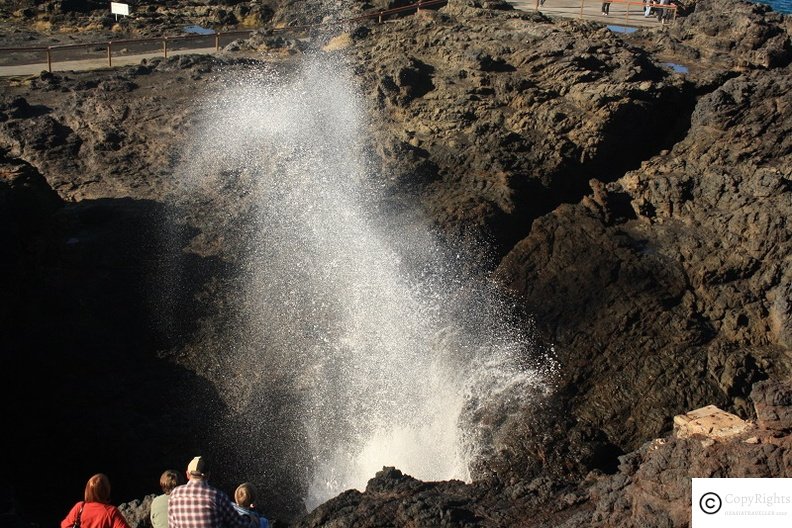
197	504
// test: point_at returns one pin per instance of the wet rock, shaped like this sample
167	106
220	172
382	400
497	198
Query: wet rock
403	500
650	487
137	512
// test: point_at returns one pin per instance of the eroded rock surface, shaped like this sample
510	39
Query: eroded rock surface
737	36
684	297
493	118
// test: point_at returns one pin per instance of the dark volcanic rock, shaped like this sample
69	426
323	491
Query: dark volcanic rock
95	134
685	297
653	484
718	36
492	118
25	197
773	402
394	499
137	513
745	33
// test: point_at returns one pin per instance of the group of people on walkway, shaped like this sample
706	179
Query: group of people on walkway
650	7
194	504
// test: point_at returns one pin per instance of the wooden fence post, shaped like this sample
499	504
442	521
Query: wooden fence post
49	59
165	47
110	54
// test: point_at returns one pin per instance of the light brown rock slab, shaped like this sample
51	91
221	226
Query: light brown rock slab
711	422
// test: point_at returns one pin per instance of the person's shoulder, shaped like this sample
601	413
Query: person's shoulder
97	507
251	516
101	508
117	518
178	490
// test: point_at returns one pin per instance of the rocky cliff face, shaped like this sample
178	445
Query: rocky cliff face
493	118
638	214
704	266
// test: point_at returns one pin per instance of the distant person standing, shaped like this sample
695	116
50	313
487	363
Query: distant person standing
605	8
159	506
199	505
95	511
663	12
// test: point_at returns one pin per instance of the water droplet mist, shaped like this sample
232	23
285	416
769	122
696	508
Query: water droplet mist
384	343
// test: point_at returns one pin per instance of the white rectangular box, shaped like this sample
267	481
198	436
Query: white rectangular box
118	8
739	502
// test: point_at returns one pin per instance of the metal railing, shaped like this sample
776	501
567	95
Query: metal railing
109	45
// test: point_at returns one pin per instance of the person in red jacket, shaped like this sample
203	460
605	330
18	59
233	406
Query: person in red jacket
95	511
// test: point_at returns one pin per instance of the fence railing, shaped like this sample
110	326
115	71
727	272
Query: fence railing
166	42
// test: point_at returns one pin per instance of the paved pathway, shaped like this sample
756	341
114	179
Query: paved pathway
621	14
90	64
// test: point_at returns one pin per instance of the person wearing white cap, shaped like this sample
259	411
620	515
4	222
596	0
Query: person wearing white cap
199	505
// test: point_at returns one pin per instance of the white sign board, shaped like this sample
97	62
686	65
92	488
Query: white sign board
119	9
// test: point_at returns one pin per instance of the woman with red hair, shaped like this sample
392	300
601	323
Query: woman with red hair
95	511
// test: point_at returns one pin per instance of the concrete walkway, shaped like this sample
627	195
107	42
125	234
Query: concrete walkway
90	64
621	14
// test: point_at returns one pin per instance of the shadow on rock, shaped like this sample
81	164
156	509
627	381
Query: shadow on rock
83	308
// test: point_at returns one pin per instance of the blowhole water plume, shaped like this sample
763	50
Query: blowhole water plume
361	316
